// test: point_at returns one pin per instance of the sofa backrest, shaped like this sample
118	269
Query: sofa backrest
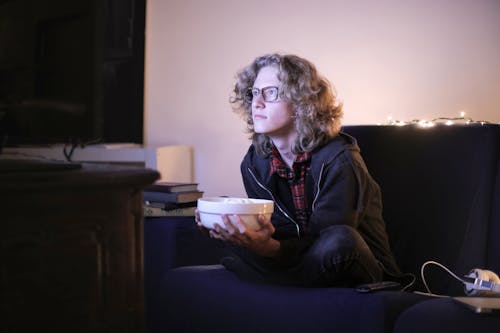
493	253
440	189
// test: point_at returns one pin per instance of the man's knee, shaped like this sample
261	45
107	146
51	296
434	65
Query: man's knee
339	241
340	256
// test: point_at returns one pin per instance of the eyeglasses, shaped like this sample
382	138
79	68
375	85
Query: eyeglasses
269	94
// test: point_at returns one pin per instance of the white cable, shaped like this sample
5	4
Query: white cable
440	265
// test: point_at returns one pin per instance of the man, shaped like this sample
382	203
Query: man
327	227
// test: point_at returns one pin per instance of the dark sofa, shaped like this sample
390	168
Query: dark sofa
441	194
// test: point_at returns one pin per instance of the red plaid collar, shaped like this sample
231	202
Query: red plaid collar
282	169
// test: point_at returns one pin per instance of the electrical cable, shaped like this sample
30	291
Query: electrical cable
439	265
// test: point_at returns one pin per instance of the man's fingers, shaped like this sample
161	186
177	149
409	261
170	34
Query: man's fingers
239	224
215	235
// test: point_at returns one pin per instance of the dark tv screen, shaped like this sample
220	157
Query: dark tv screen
71	71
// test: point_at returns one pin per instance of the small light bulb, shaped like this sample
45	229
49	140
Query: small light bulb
449	122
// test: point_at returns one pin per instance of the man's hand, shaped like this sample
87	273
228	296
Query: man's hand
198	222
258	241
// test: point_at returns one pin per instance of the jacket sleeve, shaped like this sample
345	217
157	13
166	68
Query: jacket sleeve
336	202
338	196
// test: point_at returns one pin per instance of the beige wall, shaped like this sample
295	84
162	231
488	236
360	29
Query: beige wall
406	59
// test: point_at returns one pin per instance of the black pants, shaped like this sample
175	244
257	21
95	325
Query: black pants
339	257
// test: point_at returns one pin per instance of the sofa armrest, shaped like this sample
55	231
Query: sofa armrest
176	241
171	242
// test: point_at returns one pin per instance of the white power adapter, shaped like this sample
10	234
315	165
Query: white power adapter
481	282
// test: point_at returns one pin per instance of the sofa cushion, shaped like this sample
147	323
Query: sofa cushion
444	315
212	299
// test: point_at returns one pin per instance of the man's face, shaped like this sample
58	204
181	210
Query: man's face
273	118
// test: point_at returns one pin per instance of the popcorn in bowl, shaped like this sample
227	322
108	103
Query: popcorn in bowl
211	209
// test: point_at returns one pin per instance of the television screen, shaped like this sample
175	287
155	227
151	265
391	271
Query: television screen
71	71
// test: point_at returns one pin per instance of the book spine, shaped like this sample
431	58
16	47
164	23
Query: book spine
153	211
177	197
169	205
159	196
172	188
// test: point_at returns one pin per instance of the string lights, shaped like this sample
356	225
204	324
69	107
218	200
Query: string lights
441	120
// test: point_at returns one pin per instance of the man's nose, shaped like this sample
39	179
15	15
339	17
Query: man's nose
258	101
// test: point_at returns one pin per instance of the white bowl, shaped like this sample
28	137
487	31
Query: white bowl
211	209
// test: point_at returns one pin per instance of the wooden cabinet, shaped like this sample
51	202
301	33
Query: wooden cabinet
71	247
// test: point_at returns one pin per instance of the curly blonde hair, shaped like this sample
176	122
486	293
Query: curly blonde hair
317	111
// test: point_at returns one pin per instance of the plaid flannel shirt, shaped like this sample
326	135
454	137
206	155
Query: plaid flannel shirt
296	179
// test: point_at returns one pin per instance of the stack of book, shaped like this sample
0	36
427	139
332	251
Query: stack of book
171	199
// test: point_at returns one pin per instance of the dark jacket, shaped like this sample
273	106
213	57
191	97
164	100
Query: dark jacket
339	190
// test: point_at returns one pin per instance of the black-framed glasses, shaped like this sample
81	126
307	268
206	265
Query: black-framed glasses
269	94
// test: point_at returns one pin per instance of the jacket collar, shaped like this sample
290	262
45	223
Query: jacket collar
324	155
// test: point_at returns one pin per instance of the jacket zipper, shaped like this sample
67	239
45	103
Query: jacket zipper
277	205
319	181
